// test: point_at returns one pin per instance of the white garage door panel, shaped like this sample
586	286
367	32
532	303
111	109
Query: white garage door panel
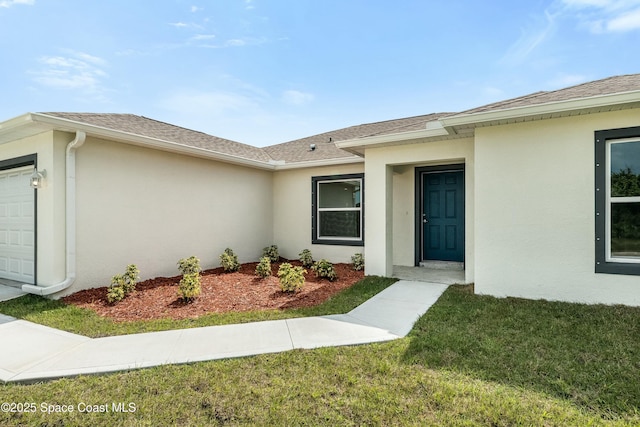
17	234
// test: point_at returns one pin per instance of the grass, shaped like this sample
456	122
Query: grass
470	361
587	354
86	322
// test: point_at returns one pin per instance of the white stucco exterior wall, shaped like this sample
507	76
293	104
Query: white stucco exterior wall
390	192
535	218
292	213
50	268
151	208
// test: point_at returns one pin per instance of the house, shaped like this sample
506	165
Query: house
535	197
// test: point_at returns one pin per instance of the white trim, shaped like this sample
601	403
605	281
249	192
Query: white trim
430	132
145	141
611	200
540	109
319	163
34	123
445	126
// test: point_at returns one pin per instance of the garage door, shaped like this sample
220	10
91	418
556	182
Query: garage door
17	225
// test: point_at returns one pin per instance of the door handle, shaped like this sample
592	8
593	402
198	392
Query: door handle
424	219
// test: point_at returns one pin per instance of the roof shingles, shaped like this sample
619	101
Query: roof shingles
300	150
143	126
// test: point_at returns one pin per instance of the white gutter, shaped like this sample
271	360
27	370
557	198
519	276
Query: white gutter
70	209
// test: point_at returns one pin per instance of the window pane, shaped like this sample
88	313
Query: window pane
339	224
625	229
339	194
625	169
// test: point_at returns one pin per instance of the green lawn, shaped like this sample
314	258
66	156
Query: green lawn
471	360
85	322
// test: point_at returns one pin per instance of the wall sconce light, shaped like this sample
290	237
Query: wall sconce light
37	178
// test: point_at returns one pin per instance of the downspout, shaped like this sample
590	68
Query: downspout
70	223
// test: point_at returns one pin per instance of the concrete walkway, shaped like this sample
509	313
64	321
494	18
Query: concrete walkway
32	352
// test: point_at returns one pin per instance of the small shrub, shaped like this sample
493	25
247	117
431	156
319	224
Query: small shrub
115	292
263	269
306	258
291	278
130	277
189	287
358	262
271	252
229	260
324	268
123	284
189	265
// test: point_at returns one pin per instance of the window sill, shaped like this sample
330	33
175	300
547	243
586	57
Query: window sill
626	268
337	242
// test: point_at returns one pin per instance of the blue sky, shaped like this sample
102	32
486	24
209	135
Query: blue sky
266	71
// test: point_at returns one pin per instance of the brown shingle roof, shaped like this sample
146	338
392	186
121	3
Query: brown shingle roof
139	125
608	86
299	151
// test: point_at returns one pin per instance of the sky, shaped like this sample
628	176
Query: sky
264	72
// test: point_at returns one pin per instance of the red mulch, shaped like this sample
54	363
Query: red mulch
221	292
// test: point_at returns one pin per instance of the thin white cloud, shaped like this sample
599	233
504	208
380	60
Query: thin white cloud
295	97
530	39
625	22
203	37
212	103
8	3
242	42
195	9
597	16
77	71
189	25
604	16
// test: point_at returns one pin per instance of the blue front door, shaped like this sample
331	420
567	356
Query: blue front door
443	216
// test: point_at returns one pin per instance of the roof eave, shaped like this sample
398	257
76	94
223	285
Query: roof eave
44	122
358	145
556	107
319	163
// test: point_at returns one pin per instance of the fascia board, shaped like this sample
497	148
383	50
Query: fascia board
144	141
541	109
319	163
380	140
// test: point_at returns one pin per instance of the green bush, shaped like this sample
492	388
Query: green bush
263	269
358	262
271	252
306	258
229	261
123	284
189	287
189	265
324	268
291	278
115	292
131	277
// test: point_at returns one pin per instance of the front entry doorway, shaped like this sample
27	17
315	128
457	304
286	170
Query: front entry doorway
440	214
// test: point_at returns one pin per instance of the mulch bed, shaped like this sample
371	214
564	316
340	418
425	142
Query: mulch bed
221	292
